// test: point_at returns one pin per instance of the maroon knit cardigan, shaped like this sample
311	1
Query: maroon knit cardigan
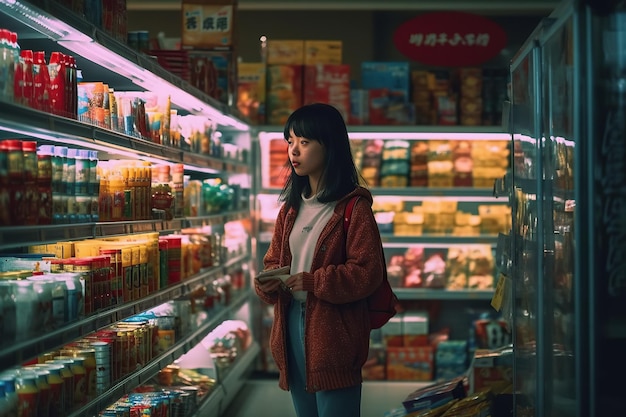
344	272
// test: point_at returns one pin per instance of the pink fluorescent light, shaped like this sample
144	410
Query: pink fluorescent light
463	199
429	136
33	17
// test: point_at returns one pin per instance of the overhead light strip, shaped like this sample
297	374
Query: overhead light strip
36	19
265	136
84	46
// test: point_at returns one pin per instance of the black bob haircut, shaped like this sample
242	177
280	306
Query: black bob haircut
325	124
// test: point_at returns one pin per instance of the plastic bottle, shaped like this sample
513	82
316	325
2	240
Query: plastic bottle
72	86
7	66
44	183
57	74
26	83
30	190
17	90
41	82
59	199
69	177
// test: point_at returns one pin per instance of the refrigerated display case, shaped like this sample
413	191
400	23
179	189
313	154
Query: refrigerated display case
566	246
50	27
452	221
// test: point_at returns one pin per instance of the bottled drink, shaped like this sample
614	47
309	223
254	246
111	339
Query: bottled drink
26	82
41	82
57	92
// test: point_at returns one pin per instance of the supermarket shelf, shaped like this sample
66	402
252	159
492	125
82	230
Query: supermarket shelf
127	384
430	241
21	351
480	194
433	241
442	294
237	375
19	236
211	406
277	131
219	399
24	121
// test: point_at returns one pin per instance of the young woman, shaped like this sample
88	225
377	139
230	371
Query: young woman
320	334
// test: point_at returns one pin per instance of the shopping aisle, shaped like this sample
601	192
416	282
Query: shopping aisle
262	397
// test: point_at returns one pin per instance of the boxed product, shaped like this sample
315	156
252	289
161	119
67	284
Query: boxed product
214	73
393	76
374	367
415	328
251	81
490	367
388	84
451	359
284	52
359	107
322	52
284	92
434	395
394	171
389	107
413	363
208	24
276	164
328	83
392	333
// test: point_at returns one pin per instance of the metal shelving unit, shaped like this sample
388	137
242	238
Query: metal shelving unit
48	26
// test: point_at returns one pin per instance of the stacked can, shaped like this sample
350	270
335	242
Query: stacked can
103	366
68	383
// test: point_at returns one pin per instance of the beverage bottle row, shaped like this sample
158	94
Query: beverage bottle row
27	78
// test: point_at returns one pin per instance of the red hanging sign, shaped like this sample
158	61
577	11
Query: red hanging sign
450	39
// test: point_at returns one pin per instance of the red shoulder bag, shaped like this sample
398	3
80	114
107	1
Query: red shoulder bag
382	302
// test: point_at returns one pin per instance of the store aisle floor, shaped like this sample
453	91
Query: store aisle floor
262	397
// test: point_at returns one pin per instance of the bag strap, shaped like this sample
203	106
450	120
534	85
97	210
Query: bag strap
348	213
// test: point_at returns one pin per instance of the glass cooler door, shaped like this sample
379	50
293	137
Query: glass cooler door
526	232
556	353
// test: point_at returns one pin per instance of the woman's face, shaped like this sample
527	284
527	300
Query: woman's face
307	157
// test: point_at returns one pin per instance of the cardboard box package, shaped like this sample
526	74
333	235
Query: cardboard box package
414	363
215	74
327	83
284	52
322	52
251	86
284	92
208	24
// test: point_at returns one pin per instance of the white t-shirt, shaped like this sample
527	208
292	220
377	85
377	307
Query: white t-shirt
311	220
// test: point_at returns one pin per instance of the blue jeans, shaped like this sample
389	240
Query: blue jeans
344	402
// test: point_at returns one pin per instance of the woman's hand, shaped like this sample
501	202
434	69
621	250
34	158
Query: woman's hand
294	282
269	286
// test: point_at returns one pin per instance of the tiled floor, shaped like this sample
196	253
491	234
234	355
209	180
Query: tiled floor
262	397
